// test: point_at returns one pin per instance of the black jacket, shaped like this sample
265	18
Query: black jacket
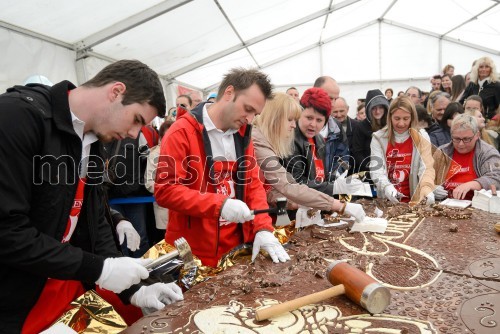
490	94
361	139
301	164
40	154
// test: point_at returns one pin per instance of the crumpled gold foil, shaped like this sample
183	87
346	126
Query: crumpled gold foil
92	314
187	278
284	233
190	277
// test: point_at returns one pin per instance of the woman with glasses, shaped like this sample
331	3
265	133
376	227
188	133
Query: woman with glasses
484	82
466	163
474	107
401	163
273	137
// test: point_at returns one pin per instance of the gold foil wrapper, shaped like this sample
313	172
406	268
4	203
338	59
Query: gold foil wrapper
90	313
285	233
189	278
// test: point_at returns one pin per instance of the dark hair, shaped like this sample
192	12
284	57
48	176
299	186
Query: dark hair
292	88
318	99
457	86
242	79
452	109
437	76
389	89
360	106
414	87
188	98
422	114
142	83
164	127
442	88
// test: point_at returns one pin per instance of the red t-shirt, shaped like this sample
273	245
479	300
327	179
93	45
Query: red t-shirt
398	157
318	163
461	171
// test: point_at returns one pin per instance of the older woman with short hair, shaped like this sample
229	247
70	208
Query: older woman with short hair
466	163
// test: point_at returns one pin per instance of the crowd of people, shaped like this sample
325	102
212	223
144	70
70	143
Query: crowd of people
79	180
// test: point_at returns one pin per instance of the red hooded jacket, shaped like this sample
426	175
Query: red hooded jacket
183	185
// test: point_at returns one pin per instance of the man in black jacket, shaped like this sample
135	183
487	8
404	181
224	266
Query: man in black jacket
54	240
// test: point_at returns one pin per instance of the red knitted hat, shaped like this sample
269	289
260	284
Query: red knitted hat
318	99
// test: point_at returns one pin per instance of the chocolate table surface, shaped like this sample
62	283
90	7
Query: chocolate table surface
443	272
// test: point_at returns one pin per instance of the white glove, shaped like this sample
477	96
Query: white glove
121	273
430	198
356	211
392	194
235	210
154	297
267	241
343	185
440	193
125	228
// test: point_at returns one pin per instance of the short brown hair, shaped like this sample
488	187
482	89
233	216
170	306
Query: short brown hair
142	83
242	79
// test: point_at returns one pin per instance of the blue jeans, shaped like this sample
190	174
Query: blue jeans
136	214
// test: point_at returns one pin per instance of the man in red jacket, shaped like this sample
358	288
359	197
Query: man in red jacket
207	174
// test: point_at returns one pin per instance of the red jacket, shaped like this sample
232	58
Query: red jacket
182	186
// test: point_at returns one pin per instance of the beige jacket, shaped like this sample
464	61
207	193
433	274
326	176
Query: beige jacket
282	182
422	164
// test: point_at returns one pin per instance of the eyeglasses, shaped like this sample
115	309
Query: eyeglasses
465	140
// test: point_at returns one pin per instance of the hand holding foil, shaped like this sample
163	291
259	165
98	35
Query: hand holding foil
121	273
155	297
268	242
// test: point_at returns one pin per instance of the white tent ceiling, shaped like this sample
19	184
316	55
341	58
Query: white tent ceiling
361	43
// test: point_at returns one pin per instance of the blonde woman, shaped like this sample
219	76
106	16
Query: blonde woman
401	163
484	82
273	139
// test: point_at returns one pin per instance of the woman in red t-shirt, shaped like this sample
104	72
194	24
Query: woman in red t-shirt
401	163
467	163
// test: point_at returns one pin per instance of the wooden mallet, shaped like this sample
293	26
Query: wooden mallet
348	280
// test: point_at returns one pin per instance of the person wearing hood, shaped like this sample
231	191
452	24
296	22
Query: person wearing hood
307	164
401	164
376	118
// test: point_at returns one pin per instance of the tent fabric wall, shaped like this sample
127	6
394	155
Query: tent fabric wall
24	56
364	44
